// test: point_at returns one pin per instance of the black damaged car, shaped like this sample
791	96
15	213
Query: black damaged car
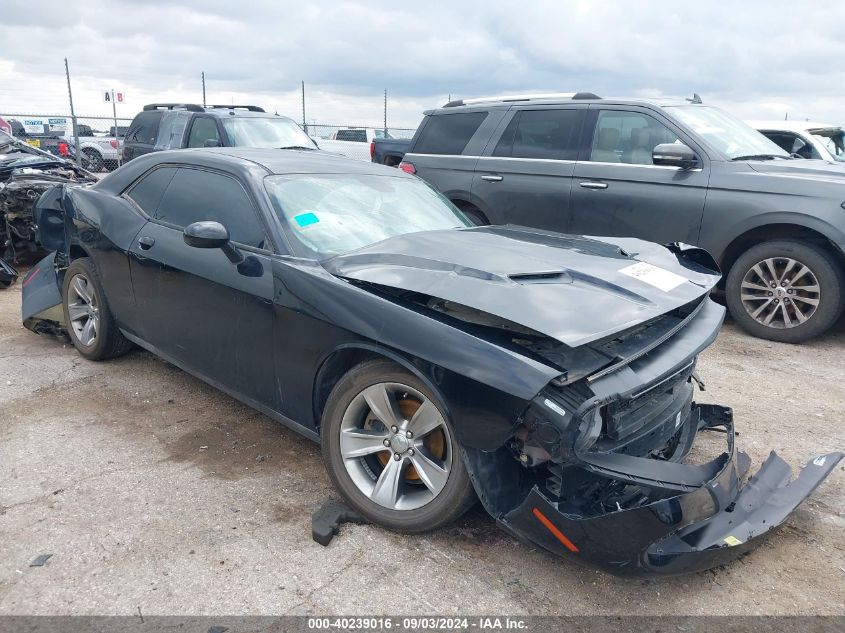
550	376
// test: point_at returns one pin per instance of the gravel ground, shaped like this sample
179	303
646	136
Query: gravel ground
153	491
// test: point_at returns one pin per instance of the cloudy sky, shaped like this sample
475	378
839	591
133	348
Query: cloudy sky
757	59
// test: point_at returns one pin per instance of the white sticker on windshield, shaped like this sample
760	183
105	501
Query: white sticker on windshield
660	278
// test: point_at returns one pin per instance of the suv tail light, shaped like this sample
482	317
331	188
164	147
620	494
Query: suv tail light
114	143
62	149
372	149
408	168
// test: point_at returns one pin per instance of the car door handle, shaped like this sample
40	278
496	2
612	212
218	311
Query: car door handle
146	243
594	185
492	178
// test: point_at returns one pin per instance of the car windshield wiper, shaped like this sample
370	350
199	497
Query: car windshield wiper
759	157
296	147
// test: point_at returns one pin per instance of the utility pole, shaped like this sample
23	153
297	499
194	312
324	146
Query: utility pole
304	123
385	112
73	118
203	89
116	131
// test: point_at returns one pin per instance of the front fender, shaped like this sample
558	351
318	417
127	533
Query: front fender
716	240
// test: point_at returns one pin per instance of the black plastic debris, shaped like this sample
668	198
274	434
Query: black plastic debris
39	562
326	521
8	275
217	629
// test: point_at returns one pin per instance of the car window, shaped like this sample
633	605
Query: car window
195	195
628	137
448	133
329	214
359	136
144	128
204	129
834	140
541	134
146	193
733	138
267	132
784	140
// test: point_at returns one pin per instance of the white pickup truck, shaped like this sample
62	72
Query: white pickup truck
98	152
354	142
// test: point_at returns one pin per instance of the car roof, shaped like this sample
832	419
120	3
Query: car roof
562	99
237	112
245	161
278	161
790	126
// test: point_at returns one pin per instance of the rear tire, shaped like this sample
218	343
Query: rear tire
359	463
785	290
89	321
92	160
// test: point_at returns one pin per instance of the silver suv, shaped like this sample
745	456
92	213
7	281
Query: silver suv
662	171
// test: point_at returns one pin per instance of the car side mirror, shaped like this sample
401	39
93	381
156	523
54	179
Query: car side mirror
211	142
211	235
797	145
674	155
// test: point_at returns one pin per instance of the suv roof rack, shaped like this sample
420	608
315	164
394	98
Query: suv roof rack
174	106
517	98
251	108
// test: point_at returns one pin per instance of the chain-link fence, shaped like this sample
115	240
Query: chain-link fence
99	143
101	147
352	141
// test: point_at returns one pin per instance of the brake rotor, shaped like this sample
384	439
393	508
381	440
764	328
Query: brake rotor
435	442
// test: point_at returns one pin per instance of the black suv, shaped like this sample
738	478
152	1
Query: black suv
163	126
660	171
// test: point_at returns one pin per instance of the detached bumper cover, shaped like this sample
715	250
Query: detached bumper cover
41	303
706	527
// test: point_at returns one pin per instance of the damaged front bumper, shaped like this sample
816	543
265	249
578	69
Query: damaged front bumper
719	517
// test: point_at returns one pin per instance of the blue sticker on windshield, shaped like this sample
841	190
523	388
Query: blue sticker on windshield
306	219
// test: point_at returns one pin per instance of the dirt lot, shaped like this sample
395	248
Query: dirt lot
153	491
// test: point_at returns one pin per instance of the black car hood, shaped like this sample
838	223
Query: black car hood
571	288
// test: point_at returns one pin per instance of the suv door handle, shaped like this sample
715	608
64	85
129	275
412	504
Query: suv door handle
594	185
492	178
146	243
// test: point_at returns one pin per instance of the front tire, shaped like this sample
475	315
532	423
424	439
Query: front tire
89	320
475	215
785	290
390	450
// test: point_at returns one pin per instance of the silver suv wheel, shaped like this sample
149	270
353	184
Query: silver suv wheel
780	292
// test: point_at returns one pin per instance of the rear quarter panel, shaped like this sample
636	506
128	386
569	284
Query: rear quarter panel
102	226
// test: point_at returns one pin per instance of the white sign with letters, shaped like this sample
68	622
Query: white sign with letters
119	97
33	126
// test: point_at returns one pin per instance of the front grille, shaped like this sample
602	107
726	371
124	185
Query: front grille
643	424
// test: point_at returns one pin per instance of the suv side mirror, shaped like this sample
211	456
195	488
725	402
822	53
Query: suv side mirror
797	145
674	155
211	235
